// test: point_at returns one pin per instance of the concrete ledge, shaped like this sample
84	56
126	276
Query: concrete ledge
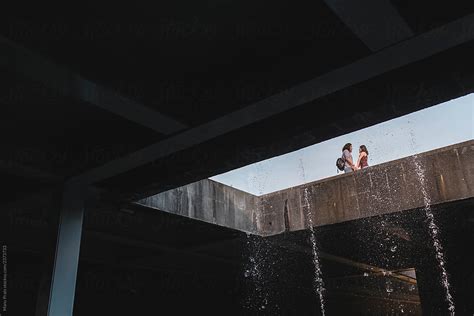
211	202
386	188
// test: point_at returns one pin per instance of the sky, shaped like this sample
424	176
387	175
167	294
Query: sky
434	127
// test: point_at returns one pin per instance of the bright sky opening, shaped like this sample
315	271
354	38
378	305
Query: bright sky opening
434	127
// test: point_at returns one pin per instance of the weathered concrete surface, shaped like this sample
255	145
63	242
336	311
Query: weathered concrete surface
209	201
386	188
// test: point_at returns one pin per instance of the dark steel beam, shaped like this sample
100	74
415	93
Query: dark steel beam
376	22
25	62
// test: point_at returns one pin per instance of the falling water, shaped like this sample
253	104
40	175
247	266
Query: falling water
257	265
434	231
258	298
433	228
387	242
318	279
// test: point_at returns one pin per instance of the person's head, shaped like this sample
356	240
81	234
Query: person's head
362	148
347	146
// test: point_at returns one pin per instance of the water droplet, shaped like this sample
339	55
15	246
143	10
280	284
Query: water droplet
366	274
389	289
393	248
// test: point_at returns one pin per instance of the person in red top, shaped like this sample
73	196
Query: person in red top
362	162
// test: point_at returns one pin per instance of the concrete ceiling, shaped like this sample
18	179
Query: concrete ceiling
207	88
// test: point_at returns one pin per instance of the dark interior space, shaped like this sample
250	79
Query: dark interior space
136	256
103	104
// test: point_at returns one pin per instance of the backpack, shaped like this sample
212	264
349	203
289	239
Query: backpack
340	163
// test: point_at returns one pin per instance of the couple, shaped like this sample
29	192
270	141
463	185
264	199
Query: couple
362	162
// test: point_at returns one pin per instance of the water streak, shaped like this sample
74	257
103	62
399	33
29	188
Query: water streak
258	298
258	252
434	232
433	228
318	279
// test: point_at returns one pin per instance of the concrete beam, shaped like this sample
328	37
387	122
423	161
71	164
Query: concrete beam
401	54
376	22
382	189
211	202
23	61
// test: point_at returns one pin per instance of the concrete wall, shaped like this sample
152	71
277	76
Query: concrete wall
209	201
386	188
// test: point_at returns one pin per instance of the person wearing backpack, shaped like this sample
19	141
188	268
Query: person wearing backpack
347	158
